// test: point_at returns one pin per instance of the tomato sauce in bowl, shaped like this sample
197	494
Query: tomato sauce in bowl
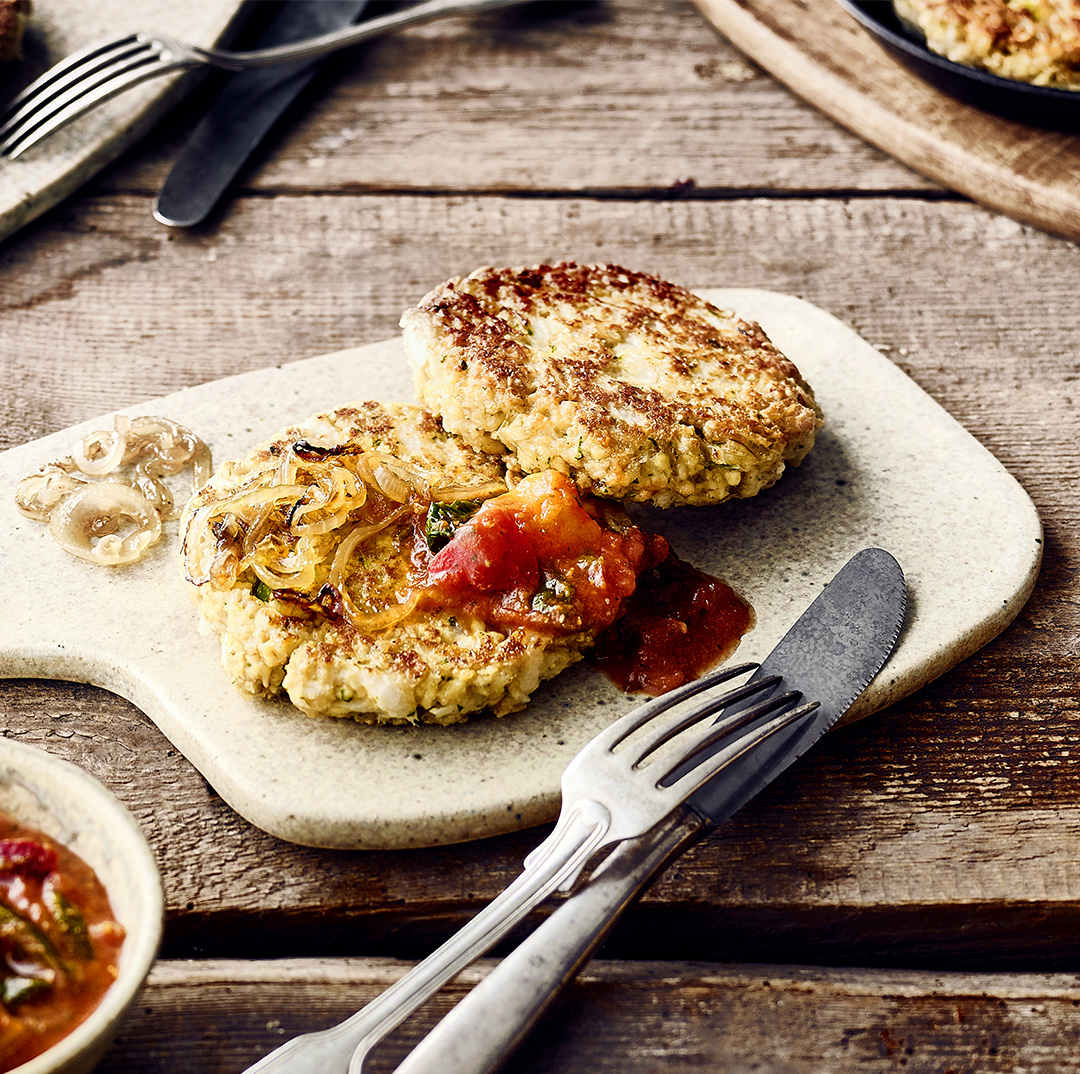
59	941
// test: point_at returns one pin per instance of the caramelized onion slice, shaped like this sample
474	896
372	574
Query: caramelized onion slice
368	621
329	502
201	465
389	476
101	452
37	494
381	620
360	532
86	524
301	579
156	492
454	493
248	498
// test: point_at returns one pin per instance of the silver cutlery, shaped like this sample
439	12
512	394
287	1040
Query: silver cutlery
96	74
244	111
608	796
651	783
832	653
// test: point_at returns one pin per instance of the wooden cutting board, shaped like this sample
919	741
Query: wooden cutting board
47	173
821	53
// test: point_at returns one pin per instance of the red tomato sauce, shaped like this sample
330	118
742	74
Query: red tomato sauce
59	941
679	623
541	557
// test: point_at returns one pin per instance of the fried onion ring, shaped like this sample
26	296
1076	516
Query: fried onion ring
87	523
60	493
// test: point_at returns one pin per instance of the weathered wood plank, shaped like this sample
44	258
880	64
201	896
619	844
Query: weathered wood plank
933	834
923	806
549	97
102	307
634	1017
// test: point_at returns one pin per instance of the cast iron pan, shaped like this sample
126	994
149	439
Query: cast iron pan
1042	106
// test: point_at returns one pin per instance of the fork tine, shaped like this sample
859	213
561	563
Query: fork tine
686	784
41	117
649	744
59	77
722	728
626	725
76	59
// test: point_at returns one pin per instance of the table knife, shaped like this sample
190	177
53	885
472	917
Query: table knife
830	655
244	111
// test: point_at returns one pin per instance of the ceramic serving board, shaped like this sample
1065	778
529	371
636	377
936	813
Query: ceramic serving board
47	173
890	468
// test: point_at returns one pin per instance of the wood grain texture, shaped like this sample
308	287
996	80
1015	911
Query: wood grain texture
45	175
935	834
559	96
943	834
632	1017
815	48
103	308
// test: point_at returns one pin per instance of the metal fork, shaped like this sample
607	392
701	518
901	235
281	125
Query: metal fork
96	74
609	794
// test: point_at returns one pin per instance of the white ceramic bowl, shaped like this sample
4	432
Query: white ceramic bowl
62	801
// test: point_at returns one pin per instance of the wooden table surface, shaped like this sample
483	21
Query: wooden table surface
909	895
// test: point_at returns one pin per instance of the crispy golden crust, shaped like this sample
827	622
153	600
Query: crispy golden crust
410	434
14	15
636	387
434	666
1035	41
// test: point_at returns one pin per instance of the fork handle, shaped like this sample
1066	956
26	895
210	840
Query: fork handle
479	1034
326	43
580	831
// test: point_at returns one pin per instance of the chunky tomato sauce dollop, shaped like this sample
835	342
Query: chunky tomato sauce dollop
679	623
59	941
541	556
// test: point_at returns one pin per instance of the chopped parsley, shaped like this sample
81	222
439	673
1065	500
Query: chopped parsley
556	594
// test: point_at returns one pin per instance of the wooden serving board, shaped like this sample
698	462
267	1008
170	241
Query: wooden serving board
890	468
48	172
821	53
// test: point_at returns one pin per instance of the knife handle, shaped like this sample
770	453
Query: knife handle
478	1035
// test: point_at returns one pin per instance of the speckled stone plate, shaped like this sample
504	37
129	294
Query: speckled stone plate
49	172
890	468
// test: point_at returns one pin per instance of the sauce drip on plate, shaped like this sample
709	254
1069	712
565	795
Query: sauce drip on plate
679	623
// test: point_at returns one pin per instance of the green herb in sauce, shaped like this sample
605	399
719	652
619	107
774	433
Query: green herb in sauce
443	519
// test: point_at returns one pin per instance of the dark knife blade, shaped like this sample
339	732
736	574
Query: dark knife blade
245	110
831	654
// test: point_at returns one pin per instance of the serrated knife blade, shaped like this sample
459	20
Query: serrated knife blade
830	655
243	113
